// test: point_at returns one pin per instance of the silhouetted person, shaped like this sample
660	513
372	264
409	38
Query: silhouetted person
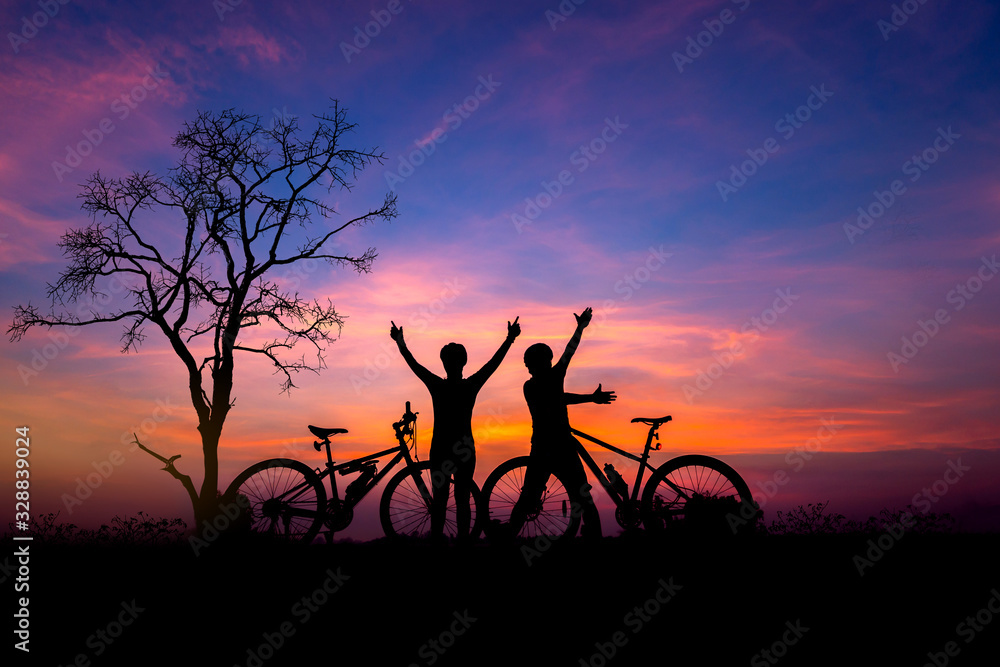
453	451
554	450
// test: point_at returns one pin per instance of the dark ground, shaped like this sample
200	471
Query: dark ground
736	599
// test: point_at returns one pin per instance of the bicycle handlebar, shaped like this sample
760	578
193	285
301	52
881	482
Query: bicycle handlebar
404	427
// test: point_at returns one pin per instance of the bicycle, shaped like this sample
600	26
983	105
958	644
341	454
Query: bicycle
285	498
692	486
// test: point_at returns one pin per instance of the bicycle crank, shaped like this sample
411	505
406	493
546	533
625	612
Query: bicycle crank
627	515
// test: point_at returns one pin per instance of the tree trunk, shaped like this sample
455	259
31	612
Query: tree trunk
211	434
208	499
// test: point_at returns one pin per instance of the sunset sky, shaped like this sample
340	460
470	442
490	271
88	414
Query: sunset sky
692	170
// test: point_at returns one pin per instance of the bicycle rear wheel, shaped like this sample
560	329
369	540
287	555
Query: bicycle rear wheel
406	510
284	498
551	515
697	490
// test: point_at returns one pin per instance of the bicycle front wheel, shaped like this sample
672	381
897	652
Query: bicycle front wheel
694	489
550	515
284	499
406	505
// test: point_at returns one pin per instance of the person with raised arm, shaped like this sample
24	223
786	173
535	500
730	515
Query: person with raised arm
453	450
554	450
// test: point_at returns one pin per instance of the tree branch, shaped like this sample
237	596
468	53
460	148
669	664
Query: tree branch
185	480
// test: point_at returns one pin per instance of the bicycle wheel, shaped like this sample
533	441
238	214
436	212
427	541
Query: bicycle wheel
285	499
406	511
551	515
697	490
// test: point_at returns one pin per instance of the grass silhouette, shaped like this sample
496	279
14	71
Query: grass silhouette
812	519
139	530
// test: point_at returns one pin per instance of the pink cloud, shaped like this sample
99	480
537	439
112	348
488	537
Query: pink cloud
246	41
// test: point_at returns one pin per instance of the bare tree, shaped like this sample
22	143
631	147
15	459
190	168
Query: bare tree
199	251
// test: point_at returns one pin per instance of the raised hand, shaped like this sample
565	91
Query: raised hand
583	320
513	330
603	397
396	333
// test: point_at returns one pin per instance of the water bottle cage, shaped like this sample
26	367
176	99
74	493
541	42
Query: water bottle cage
356	487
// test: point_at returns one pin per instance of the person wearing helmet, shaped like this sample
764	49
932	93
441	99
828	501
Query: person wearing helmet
554	450
453	451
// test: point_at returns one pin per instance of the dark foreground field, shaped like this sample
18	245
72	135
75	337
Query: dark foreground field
639	601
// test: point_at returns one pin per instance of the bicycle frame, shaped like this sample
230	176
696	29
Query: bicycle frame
402	451
643	462
295	492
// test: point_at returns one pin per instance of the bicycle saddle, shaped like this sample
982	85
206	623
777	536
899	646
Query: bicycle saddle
651	421
325	432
